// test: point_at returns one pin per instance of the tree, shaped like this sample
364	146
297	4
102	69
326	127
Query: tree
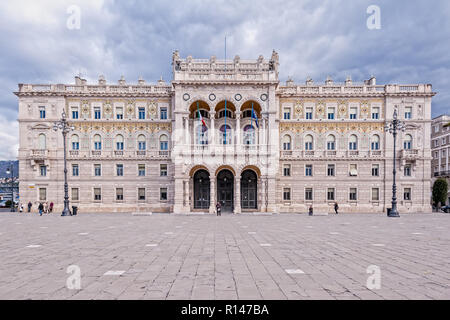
440	189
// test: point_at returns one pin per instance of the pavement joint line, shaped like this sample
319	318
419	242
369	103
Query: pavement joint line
378	244
265	244
83	233
334	233
294	271
416	233
114	273
151	245
34	246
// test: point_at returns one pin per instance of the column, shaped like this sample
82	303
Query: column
271	195
263	193
186	130
178	196
186	193
212	129
238	129
212	199
237	195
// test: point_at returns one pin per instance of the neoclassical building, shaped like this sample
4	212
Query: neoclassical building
225	131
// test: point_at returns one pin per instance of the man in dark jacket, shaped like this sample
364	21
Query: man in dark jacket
336	207
29	206
41	208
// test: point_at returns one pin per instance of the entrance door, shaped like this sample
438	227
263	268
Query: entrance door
201	190
225	190
249	190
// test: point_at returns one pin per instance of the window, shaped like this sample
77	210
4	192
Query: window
141	113
309	113
375	142
375	194
353	170
226	135
353	142
330	113
42	194
407	170
163	194
75	194
287	113
97	194
119	194
330	170
42	141
74	112
249	135
353	113
163	143
141	194
202	134
119	142
141	170
75	170
408	112
119	170
119	113
163	170
97	170
407	143
163	113
308	194
309	142
141	142
308	170
407	194
375	170
97	113
75	142
353	194
331	142
43	171
330	194
97	142
228	113
42	112
287	194
375	113
287	170
286	142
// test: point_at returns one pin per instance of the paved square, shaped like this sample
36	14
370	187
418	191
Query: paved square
287	256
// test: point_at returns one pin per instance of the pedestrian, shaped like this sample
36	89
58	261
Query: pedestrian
310	210
219	208
45	207
336	207
29	206
21	207
41	208
51	207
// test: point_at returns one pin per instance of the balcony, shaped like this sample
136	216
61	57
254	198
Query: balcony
410	154
352	153
442	173
118	153
376	153
96	153
39	154
141	153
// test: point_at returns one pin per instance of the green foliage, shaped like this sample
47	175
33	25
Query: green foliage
440	189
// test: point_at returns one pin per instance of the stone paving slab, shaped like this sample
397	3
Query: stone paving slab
279	256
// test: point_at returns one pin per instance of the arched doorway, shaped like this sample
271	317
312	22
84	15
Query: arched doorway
225	190
201	189
249	190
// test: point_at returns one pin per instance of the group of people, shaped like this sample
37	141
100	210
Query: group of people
42	207
336	208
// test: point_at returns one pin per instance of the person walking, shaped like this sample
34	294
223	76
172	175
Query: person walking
310	211
336	207
29	206
45	207
51	206
41	208
21	207
219	208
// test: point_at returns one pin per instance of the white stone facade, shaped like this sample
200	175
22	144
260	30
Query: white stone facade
314	144
440	149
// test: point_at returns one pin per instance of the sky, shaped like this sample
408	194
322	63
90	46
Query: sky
41	42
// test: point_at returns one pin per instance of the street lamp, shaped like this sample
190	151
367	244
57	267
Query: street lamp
10	172
64	126
392	128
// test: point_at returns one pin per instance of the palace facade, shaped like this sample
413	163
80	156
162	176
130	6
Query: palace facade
225	131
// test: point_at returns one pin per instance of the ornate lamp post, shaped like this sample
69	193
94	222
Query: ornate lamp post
392	128
64	126
10	171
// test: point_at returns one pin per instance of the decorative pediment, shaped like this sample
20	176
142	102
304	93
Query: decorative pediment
41	126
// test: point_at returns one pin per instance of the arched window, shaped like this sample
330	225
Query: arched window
97	142
204	113
42	141
75	142
287	142
375	143
163	142
249	134
202	134
141	142
226	134
353	142
407	143
221	114
309	142
331	142
119	142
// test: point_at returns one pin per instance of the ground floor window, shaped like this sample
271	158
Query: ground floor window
163	170
407	194
119	194
97	194
163	194
330	194
308	194
42	194
287	170
353	195
287	194
75	194
141	193
375	194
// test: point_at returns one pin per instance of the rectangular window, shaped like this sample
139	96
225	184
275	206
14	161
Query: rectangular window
74	112
408	112
163	113
43	170
375	113
407	170
97	113
375	170
141	170
407	194
119	194
353	113
163	170
119	113
330	194
42	194
287	194
141	113
141	193
97	194
119	170
353	194
308	194
308	170
330	113
75	194
163	194
97	170
42	112
287	113
309	113
330	170
287	170
375	194
75	170
353	170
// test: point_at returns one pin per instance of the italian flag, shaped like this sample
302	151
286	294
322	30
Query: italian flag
200	116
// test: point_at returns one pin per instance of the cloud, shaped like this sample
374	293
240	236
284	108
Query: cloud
9	138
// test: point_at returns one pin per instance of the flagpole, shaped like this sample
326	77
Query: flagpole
225	76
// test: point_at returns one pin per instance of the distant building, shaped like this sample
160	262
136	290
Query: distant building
440	149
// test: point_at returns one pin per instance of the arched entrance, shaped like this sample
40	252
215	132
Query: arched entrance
225	190
201	189
249	190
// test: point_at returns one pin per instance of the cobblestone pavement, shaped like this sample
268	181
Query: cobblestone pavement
287	256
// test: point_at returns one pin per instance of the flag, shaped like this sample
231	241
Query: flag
225	128
254	117
200	115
